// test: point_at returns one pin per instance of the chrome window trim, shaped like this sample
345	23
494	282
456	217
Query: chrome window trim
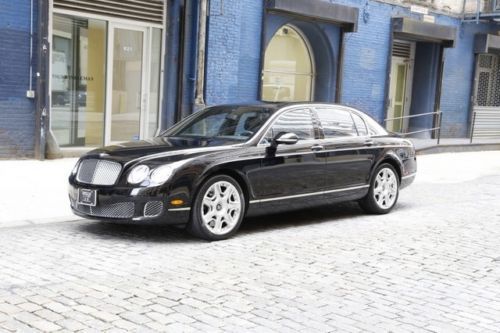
308	194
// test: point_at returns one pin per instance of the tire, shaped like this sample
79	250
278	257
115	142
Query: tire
382	197
218	209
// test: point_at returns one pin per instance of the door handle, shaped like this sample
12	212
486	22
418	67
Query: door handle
369	142
317	148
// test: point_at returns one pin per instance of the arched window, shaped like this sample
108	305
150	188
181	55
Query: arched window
288	73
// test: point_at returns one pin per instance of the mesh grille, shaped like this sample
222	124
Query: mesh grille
153	208
488	80
118	210
98	172
142	10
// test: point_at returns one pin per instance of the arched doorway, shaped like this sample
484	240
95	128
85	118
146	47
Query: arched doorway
288	72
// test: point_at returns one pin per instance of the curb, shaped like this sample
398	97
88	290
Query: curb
41	221
438	149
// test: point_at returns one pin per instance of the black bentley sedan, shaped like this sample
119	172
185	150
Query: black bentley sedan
226	162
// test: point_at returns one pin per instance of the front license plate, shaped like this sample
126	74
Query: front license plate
87	197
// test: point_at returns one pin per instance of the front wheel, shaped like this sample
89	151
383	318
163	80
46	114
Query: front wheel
384	191
218	209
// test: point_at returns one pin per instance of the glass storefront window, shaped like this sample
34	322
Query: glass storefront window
288	68
78	81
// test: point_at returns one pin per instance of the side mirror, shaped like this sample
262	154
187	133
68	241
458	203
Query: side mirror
285	138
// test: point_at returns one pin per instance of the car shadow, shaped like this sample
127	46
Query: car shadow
136	232
298	218
251	225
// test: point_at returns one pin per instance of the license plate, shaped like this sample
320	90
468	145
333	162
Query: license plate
87	197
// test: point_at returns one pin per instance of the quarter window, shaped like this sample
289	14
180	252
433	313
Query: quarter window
299	122
360	125
336	123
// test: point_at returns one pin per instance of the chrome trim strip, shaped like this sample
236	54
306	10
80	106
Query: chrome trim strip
309	194
341	149
409	176
185	209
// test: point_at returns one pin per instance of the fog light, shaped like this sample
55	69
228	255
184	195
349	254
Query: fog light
177	202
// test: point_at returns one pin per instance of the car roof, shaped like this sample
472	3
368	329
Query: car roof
276	106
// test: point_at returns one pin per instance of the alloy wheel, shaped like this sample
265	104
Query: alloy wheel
221	208
385	189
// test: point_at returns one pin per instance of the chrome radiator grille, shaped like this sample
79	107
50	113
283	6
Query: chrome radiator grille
98	172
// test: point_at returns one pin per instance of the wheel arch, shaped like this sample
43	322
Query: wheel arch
391	159
237	176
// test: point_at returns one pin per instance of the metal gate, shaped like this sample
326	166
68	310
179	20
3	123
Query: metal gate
142	10
486	109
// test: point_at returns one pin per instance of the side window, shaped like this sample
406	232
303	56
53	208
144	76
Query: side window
336	123
299	122
360	125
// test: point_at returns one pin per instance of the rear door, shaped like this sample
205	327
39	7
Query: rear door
346	147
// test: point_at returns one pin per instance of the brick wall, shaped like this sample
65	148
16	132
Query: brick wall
233	59
17	122
233	55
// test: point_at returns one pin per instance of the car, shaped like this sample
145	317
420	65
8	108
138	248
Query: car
230	161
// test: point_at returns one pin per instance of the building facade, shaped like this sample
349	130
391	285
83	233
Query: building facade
77	74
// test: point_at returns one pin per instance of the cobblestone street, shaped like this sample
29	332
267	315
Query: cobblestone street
433	264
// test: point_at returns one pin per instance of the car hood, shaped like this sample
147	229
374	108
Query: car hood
161	148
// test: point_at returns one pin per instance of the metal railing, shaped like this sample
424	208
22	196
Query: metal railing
485	123
474	10
438	120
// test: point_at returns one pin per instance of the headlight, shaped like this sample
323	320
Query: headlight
75	168
138	174
161	174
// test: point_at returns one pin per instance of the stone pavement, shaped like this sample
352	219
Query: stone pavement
432	265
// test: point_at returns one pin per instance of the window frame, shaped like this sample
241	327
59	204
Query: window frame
312	60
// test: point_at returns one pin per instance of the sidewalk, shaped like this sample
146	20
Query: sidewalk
35	192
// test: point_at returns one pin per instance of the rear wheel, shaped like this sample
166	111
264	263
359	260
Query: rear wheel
384	191
218	209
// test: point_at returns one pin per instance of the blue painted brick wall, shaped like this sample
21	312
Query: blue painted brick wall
458	79
17	121
233	59
233	54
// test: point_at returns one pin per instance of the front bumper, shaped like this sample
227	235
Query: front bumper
128	205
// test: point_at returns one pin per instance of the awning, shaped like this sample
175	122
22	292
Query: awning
487	43
345	16
404	27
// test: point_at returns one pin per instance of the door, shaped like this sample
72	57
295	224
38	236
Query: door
401	79
127	78
293	169
345	141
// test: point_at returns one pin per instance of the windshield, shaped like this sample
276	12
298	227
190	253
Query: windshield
226	122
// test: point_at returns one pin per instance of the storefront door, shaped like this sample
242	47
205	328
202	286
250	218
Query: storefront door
127	96
401	80
106	80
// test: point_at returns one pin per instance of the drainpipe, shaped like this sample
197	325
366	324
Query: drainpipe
42	93
171	63
199	101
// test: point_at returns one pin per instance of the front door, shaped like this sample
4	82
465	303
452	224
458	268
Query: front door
292	170
401	80
127	95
